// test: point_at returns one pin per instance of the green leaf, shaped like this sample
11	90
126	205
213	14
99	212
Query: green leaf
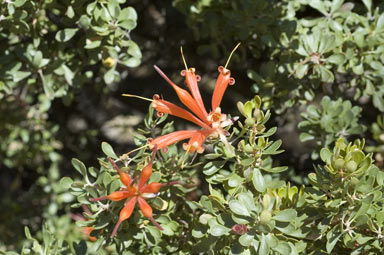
27	233
332	238
109	76
248	109
68	74
283	248
65	34
380	23
65	183
325	74
92	44
131	62
306	137
378	101
258	180
273	148
238	208
325	155
218	230
79	166
336	4
19	3
47	85
327	43
301	70
286	215
368	4
337	59
277	169
108	150
70	12
246	240
264	246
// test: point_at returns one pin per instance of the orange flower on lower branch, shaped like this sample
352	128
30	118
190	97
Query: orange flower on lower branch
135	193
212	124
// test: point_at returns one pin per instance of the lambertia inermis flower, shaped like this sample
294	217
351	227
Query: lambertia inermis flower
212	124
135	193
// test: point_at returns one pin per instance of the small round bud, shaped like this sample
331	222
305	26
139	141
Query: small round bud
266	201
239	229
250	122
265	217
338	163
351	166
109	62
257	113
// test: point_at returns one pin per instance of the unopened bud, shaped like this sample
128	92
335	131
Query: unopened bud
239	229
265	217
109	62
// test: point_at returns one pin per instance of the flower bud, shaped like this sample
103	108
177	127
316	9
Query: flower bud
265	217
109	62
338	163
248	148
239	229
250	122
351	166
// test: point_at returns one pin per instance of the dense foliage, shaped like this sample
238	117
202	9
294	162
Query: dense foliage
289	160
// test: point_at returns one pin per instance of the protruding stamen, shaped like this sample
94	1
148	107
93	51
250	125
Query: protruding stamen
226	64
144	98
187	149
182	55
146	145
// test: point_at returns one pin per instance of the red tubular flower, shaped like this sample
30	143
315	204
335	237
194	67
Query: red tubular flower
212	124
135	193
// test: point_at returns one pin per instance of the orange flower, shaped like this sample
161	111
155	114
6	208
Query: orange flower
212	124
135	193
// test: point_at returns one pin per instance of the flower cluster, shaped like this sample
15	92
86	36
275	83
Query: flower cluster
212	126
135	192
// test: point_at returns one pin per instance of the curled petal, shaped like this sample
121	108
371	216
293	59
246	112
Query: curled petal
196	142
153	187
125	178
114	196
222	82
145	208
147	170
184	97
125	213
171	138
191	80
172	109
147	211
119	195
